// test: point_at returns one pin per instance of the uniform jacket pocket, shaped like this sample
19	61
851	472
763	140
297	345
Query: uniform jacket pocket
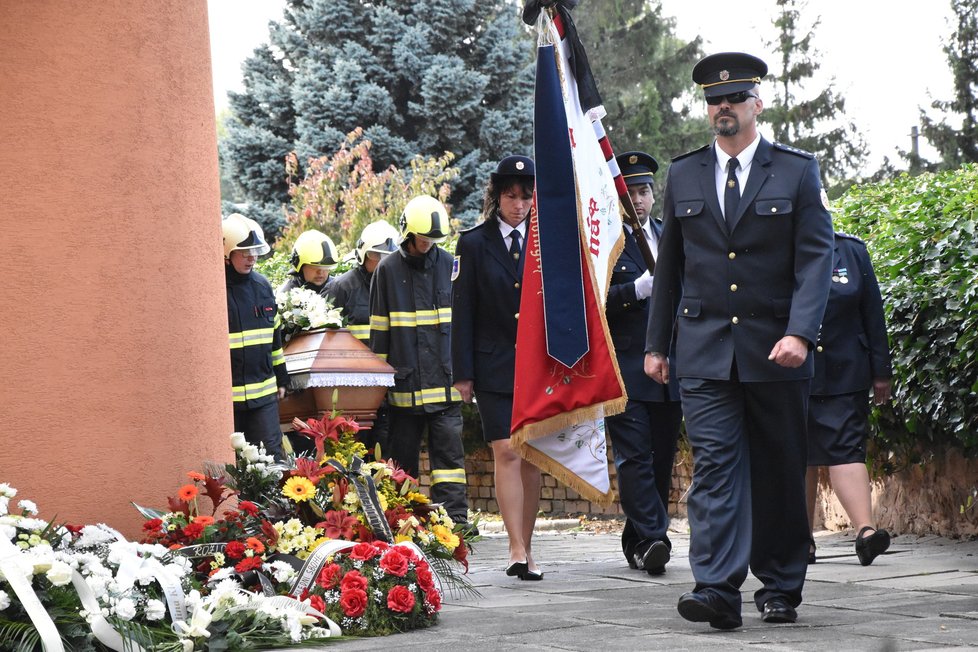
689	307
689	208
773	207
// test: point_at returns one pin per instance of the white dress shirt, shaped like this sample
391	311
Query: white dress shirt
507	232
744	161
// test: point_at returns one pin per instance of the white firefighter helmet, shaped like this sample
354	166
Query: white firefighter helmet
243	233
377	236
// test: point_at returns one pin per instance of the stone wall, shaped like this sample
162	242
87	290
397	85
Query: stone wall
924	499
927	498
555	498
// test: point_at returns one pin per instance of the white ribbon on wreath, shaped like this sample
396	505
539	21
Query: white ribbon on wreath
15	572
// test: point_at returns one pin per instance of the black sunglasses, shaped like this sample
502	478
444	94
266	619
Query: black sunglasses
733	98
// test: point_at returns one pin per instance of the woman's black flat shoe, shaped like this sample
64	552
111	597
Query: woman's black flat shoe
868	548
517	569
531	575
811	554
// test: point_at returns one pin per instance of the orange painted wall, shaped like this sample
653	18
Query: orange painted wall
113	346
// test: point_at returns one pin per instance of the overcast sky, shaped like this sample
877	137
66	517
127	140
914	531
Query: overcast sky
886	57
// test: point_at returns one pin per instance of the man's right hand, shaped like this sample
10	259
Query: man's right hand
657	367
464	388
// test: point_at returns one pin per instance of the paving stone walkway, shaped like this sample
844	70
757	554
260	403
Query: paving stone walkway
921	595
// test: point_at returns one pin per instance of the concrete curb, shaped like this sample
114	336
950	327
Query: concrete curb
542	525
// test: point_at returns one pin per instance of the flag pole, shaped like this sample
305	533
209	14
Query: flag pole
609	154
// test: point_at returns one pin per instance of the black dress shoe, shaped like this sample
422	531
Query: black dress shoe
777	610
869	548
658	570
517	568
656	555
708	608
531	575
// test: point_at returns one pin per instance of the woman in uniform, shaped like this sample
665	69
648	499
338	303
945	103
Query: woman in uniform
852	355
486	290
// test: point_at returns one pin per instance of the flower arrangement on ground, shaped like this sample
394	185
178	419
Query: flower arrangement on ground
309	543
333	496
374	589
87	588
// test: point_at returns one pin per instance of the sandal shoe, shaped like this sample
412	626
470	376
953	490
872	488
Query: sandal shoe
868	548
517	568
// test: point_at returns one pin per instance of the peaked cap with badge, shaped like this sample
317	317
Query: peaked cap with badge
636	167
514	166
728	72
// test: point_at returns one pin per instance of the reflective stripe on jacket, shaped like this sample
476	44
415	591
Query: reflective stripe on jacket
410	327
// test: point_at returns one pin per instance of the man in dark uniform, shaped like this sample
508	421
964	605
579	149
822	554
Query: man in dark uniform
743	275
644	436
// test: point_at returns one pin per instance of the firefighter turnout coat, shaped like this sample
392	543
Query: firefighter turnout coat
255	339
350	292
410	327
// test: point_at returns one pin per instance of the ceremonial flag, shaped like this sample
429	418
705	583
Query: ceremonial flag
567	376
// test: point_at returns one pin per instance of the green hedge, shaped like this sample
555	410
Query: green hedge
920	232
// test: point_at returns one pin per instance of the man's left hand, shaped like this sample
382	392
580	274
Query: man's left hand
790	351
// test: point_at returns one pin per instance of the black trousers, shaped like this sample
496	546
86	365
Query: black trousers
260	426
643	439
747	503
445	453
377	435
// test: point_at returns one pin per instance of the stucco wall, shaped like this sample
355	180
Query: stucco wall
114	340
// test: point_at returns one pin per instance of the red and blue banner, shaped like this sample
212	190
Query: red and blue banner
567	376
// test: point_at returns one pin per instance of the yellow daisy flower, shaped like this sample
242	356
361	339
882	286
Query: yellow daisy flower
445	536
299	488
415	497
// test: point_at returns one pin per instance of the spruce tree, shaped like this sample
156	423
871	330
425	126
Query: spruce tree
958	145
419	78
643	74
818	124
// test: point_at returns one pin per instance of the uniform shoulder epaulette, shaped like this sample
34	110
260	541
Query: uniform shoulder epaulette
793	150
474	227
690	153
846	236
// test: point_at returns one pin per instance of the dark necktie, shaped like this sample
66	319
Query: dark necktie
731	191
515	250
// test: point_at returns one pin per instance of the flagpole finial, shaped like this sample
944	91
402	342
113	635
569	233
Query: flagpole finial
533	8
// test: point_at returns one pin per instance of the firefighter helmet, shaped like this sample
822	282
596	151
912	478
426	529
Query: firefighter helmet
313	248
377	236
243	233
425	216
